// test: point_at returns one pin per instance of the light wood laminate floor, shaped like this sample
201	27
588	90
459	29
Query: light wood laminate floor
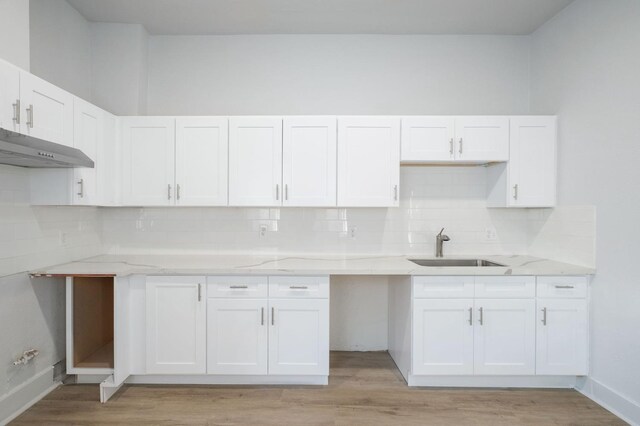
364	388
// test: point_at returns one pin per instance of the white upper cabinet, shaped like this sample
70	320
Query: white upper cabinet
532	166
562	337
46	110
88	136
109	172
201	161
482	139
529	178
176	325
148	164
505	337
368	161
10	110
309	161
428	139
255	161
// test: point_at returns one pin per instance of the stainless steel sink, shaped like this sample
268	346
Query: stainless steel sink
455	262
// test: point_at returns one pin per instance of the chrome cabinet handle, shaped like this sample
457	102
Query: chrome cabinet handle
168	191
199	292
564	286
178	192
544	316
395	193
515	191
16	112
460	149
262	316
451	147
30	117
81	183
238	286
470	316
273	314
298	287
277	191
481	316
286	191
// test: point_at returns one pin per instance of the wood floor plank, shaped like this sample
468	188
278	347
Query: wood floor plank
364	389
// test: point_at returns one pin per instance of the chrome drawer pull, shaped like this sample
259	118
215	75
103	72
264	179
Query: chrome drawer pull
298	287
238	286
544	316
564	286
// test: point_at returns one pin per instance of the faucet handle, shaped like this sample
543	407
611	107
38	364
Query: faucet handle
440	233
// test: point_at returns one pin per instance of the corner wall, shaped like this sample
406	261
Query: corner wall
585	66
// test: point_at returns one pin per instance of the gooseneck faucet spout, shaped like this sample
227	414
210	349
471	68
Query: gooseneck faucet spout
440	238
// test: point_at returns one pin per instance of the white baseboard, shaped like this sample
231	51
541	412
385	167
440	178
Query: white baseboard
19	399
618	404
562	382
226	380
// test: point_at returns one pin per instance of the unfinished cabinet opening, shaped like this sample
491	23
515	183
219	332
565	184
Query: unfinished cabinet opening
92	325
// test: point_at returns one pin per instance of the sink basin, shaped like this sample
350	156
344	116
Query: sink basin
454	262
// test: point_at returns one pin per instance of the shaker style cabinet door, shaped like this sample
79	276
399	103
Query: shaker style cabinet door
88	136
202	146
482	138
428	138
532	163
299	336
148	164
255	161
442	336
237	336
309	161
176	325
10	110
504	337
368	162
562	337
46	110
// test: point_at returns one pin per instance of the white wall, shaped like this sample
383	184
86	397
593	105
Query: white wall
14	32
61	46
586	68
119	67
341	74
32	311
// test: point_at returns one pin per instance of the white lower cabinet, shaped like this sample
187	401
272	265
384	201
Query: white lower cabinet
442	336
299	337
176	321
504	337
562	337
237	336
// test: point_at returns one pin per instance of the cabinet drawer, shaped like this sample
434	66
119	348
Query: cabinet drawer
562	287
237	287
502	287
443	287
299	287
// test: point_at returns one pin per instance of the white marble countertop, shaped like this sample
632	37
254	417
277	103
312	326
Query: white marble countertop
239	264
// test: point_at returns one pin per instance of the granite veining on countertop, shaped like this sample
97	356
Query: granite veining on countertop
303	264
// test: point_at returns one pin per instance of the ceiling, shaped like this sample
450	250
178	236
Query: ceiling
196	17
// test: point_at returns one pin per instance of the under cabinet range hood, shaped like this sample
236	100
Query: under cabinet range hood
21	150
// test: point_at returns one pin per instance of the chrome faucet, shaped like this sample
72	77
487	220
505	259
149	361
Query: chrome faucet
439	240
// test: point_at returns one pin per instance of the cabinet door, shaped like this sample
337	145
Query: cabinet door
201	161
148	161
309	161
10	111
368	162
532	162
176	325
562	337
255	161
237	336
88	136
480	139
429	139
46	110
504	340
442	336
109	169
299	336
